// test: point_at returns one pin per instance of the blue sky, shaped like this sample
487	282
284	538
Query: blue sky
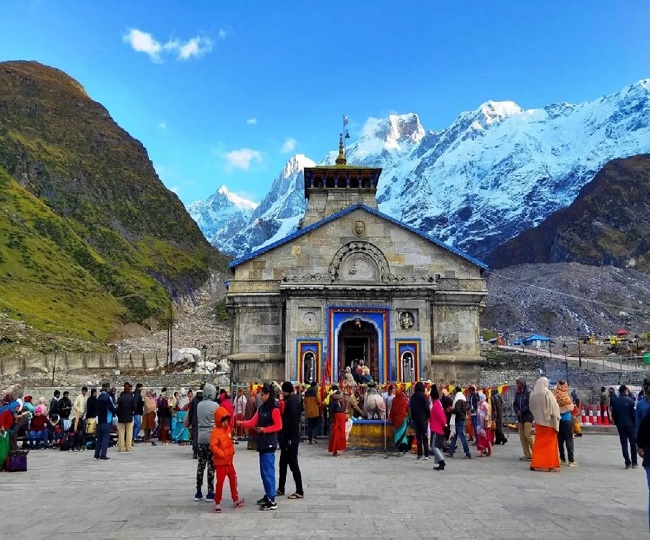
225	92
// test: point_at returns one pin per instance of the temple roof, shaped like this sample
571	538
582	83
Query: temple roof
344	212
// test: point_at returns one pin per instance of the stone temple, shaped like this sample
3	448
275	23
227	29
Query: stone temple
354	284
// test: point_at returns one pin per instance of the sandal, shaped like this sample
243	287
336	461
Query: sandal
296	496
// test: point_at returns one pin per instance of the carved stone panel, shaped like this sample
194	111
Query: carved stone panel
359	267
359	261
309	318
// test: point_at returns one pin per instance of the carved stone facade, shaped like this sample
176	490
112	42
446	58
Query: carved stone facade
356	285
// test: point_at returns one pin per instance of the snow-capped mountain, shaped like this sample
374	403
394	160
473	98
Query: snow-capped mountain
222	214
491	174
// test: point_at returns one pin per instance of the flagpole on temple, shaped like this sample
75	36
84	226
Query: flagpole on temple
345	134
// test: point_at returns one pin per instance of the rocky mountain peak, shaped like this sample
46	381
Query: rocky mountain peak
296	164
493	112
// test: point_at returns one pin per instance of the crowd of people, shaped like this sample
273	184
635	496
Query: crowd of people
431	421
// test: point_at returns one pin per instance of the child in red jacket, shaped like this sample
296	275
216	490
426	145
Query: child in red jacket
223	451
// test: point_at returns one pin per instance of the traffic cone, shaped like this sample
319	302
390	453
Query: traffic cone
599	418
583	415
591	414
606	419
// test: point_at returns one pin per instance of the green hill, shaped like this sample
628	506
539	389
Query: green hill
89	236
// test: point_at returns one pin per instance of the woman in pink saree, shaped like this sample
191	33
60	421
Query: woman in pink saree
484	436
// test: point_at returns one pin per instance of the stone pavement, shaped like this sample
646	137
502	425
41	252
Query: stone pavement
149	494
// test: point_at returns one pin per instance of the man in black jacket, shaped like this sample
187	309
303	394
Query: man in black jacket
193	422
63	409
524	419
289	441
125	411
624	417
105	412
420	417
139	410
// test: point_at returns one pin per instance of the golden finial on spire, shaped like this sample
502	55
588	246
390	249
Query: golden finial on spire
340	160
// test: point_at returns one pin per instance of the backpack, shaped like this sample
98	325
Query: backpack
66	442
460	407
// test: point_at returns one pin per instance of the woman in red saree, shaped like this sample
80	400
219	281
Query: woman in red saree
337	432
543	405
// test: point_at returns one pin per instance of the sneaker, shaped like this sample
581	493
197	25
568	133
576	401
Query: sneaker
426	458
634	465
564	462
468	456
270	505
572	464
238	504
262	501
418	458
209	497
199	496
217	508
628	466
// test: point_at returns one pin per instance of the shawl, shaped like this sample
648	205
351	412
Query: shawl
544	406
458	397
562	397
399	409
149	403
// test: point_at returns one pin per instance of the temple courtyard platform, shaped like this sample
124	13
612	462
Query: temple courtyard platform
148	493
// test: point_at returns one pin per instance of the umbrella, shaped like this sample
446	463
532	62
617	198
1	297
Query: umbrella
621	332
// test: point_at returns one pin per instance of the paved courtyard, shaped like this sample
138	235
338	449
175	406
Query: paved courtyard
149	494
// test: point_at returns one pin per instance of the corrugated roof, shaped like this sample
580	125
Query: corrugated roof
345	212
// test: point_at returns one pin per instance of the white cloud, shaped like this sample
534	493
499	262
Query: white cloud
222	33
162	125
175	189
184	50
251	121
289	145
144	42
243	158
196	46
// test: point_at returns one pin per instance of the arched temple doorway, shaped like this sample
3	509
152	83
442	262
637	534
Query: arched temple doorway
358	340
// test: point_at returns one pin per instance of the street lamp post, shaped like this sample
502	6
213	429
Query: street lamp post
56	352
579	356
566	362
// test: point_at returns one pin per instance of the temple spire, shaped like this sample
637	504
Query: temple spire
340	160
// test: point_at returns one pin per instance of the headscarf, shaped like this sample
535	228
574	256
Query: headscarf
544	406
574	396
149	402
562	397
399	409
458	397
